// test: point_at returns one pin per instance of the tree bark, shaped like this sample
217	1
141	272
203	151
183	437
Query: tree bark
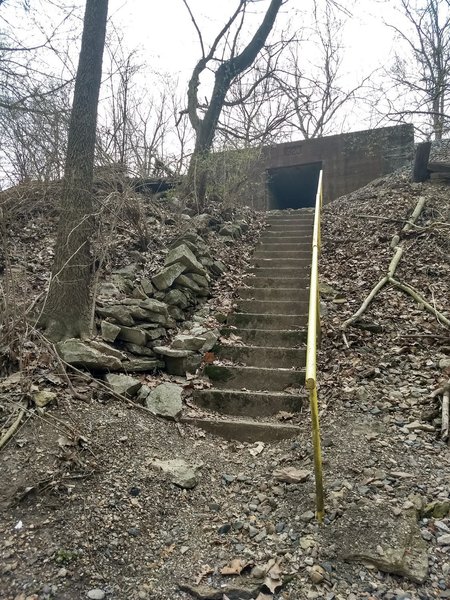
66	312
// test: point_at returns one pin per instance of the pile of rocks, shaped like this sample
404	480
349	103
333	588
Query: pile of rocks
137	316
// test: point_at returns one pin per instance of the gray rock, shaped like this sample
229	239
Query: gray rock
154	306
444	540
107	349
147	286
218	267
211	336
181	473
43	397
230	230
123	283
109	331
200	280
142	394
240	588
176	313
203	221
139	350
177	298
80	354
172	352
188	342
127	271
118	312
108	290
153	333
139	293
123	384
165	278
134	335
96	594
165	401
141	365
444	363
186	282
191	363
372	534
184	256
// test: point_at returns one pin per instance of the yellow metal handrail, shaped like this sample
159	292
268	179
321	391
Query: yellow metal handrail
311	352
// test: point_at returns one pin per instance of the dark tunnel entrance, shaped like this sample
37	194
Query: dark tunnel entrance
293	187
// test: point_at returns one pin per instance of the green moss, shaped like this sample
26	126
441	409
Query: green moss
217	373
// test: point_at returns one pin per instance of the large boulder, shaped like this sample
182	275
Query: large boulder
165	401
165	278
80	354
184	256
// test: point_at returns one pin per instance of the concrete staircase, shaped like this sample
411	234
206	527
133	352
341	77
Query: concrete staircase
252	375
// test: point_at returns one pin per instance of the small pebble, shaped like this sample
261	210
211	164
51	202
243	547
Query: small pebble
96	594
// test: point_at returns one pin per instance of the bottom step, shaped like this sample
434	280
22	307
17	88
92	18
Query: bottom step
248	404
244	431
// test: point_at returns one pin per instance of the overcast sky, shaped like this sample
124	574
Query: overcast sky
168	39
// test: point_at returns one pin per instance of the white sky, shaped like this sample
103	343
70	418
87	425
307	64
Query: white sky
169	41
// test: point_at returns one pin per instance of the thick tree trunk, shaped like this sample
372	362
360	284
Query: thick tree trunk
67	307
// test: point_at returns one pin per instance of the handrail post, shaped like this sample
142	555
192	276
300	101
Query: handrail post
311	353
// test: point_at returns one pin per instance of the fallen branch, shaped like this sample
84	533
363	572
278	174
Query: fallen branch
392	265
364	306
13	428
445	412
366	303
412	292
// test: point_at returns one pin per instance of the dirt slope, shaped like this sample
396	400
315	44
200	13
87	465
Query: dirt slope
83	508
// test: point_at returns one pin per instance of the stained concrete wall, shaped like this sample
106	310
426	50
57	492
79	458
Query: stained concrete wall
349	160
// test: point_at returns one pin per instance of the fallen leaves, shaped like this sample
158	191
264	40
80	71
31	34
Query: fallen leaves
235	567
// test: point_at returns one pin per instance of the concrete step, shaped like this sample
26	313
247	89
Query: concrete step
261	321
274	293
248	404
254	378
284	263
245	431
275	237
279	273
285	338
297	219
273	307
303	215
298	282
258	356
282	254
284	247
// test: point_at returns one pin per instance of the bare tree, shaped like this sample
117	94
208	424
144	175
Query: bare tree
66	310
421	71
311	78
204	117
33	141
256	109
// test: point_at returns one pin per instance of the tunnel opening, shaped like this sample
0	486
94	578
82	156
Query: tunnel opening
293	187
